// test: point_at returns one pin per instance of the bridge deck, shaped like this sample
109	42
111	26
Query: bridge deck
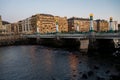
76	35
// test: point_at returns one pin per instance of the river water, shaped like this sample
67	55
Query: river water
46	63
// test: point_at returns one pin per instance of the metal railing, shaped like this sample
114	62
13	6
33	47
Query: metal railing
76	35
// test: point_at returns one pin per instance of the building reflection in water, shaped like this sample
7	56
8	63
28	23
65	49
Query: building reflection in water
43	57
48	60
73	61
32	53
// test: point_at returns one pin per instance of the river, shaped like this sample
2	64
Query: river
33	62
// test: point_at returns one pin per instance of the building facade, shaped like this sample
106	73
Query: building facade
14	28
43	23
62	23
0	22
102	25
1	29
118	27
20	27
46	23
7	28
80	24
24	26
39	23
115	25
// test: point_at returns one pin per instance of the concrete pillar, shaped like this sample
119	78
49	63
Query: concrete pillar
111	25
92	47
91	23
84	45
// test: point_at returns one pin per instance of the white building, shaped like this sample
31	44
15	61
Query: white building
24	26
1	29
0	22
115	25
6	28
115	28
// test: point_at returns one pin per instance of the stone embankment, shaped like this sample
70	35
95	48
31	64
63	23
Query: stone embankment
6	40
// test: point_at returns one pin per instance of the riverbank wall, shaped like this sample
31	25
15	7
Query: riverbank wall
93	46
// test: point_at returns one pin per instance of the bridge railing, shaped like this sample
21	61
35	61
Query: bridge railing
75	35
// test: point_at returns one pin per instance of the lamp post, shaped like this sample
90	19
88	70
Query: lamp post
37	30
77	26
91	23
110	26
56	22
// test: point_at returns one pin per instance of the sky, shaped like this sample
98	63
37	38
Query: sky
15	10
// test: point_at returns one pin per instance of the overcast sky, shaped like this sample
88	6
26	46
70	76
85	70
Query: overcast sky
15	10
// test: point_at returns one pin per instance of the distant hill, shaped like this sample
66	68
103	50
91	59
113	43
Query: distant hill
5	22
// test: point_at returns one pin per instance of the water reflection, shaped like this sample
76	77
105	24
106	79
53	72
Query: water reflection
73	61
32	53
43	63
49	59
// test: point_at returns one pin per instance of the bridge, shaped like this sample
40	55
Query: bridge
90	41
94	40
89	35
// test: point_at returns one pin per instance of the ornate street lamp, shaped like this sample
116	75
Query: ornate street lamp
57	30
91	23
77	26
111	25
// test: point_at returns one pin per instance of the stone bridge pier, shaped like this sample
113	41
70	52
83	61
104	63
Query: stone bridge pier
84	45
103	46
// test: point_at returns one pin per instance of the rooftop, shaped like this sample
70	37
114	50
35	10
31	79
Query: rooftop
77	18
42	15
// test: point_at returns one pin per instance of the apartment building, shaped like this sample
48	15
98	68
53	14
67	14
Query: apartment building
102	25
0	22
43	23
20	28
118	27
14	28
1	29
46	23
80	24
115	25
62	23
24	26
7	28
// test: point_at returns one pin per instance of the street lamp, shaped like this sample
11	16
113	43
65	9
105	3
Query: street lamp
110	26
77	26
56	22
91	23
